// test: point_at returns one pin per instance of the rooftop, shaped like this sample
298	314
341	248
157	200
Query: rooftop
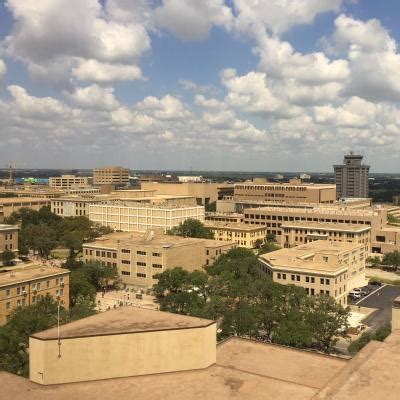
244	370
303	256
11	200
136	204
123	320
4	227
235	226
326	226
11	276
152	238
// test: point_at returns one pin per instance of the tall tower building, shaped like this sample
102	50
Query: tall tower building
351	177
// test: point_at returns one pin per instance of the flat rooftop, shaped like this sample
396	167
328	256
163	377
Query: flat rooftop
302	257
326	226
234	226
120	239
308	185
5	227
135	203
124	320
245	370
11	200
9	275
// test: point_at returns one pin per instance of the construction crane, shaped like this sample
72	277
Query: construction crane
10	174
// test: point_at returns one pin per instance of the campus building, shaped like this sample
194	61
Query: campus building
296	233
21	287
68	181
10	204
8	238
111	176
175	357
244	235
137	217
294	191
139	257
320	267
224	217
204	192
351	177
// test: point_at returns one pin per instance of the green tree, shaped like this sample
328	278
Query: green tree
267	247
380	334
211	207
80	289
192	228
392	258
40	238
7	256
270	238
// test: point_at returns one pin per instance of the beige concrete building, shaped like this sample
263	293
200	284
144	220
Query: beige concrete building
244	235
137	217
242	369
122	343
351	177
320	267
295	191
204	192
68	181
224	217
9	205
139	257
31	191
297	233
111	176
24	286
8	239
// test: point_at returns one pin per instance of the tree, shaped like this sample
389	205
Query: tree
380	334
211	207
7	257
392	258
267	247
40	238
270	238
192	228
80	289
328	321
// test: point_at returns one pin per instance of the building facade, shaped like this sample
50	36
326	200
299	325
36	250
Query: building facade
25	286
298	233
12	204
68	181
295	191
224	217
139	257
351	177
321	267
137	217
244	235
8	239
111	176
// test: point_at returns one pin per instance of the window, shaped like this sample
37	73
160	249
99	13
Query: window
114	255
292	277
125	273
125	251
103	253
157	266
141	264
141	275
47	283
97	253
284	276
298	278
312	292
307	279
108	254
8	292
322	281
141	253
57	281
325	259
156	254
8	305
18	291
279	275
327	282
61	292
125	262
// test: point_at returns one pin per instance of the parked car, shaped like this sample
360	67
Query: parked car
355	295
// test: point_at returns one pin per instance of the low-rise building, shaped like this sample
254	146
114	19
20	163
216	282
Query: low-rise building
139	257
320	267
8	238
9	205
138	217
244	235
21	287
296	233
294	191
68	181
224	217
111	176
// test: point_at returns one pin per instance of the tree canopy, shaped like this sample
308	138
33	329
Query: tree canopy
192	228
247	302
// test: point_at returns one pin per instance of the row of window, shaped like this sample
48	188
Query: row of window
309	219
308	279
140	264
110	254
36	298
35	286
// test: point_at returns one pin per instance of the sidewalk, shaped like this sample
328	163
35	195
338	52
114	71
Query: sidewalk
118	298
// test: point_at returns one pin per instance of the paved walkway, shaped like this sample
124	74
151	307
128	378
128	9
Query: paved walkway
120	298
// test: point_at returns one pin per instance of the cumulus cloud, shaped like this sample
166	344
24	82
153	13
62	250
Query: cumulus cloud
94	97
192	20
279	16
3	68
166	108
51	42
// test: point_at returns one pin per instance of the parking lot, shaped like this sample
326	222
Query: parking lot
381	299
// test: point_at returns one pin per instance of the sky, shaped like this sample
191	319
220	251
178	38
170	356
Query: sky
234	85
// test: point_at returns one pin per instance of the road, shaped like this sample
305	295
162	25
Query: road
382	300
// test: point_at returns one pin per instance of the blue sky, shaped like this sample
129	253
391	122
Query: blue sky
273	85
